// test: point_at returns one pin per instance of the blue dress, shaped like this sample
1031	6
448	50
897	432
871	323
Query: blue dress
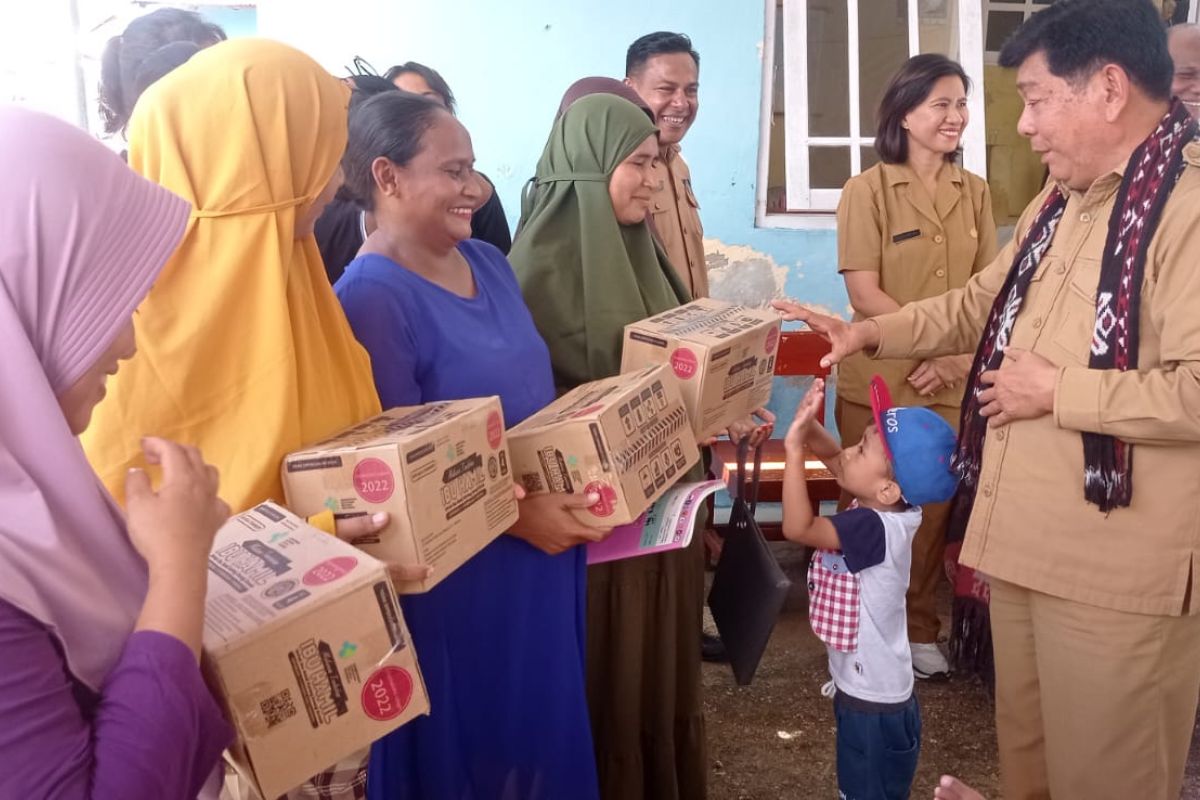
501	640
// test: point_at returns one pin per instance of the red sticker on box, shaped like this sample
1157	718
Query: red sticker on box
607	504
494	429
330	570
772	340
683	361
387	693
373	480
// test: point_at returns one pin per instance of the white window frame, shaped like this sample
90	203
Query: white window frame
1027	7
812	208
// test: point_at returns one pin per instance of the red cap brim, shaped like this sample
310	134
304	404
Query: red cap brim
881	401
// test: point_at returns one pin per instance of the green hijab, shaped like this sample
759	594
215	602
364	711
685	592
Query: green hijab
584	275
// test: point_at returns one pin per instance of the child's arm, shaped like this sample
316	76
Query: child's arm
799	522
825	447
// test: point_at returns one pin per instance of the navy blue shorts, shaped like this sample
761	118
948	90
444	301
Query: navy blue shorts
877	747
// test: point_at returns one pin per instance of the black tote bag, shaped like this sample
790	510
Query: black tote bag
748	588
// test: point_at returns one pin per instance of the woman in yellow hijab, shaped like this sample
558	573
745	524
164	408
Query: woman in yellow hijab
243	349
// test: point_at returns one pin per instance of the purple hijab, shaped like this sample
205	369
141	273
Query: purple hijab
81	239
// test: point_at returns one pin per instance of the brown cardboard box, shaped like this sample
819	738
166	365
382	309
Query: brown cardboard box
723	355
627	438
441	470
306	646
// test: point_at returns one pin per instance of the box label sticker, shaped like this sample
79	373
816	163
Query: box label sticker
387	693
607	504
684	362
495	429
330	570
771	340
373	480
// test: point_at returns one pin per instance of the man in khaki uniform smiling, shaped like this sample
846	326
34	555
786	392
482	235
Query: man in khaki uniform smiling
664	69
1080	447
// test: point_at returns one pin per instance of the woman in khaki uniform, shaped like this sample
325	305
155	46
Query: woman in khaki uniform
915	226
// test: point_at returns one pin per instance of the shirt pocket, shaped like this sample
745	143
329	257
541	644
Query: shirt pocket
1074	317
833	598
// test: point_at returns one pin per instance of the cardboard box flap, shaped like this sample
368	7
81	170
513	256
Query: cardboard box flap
258	578
705	320
396	425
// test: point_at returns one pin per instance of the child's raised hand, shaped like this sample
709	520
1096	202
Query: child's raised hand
806	413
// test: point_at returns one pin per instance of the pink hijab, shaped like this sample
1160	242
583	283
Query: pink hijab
81	239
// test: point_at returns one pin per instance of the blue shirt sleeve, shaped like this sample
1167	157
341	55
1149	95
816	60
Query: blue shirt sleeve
863	539
381	324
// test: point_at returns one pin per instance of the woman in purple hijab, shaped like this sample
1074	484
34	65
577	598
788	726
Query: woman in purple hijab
100	616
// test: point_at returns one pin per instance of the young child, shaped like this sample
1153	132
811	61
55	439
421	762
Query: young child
859	575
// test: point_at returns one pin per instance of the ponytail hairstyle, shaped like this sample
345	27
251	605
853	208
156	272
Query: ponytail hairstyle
150	47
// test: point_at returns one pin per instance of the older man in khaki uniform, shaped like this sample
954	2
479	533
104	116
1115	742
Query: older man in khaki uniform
664	69
1081	430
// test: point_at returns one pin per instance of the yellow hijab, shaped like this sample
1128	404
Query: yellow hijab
243	349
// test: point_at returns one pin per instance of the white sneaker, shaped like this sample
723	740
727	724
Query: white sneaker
928	661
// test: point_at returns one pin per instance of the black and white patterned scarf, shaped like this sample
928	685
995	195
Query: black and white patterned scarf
1150	176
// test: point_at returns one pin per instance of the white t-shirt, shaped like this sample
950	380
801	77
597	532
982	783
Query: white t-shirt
877	549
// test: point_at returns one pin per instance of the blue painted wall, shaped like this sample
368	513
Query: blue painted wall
234	20
509	63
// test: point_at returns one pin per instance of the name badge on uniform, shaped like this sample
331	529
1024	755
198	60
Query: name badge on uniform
904	237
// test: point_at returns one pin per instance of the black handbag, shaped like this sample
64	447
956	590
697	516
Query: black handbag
748	588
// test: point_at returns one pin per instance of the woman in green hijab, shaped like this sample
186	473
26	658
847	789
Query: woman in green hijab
588	265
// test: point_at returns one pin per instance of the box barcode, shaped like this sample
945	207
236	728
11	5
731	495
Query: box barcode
278	708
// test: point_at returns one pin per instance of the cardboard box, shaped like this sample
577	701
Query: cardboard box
723	355
627	438
306	646
441	470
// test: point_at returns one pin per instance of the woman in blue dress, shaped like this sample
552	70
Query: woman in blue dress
500	641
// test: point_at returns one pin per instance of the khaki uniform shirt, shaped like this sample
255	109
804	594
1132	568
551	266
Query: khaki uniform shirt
677	221
1031	525
921	247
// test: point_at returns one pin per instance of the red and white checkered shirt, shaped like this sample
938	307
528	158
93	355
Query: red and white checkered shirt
833	601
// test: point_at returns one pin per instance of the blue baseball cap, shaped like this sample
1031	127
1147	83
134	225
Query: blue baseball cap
919	443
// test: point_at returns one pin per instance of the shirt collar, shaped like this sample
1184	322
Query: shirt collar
895	174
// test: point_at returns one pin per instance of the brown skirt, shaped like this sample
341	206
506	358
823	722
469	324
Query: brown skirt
643	675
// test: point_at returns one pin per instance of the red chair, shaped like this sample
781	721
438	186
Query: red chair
800	353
